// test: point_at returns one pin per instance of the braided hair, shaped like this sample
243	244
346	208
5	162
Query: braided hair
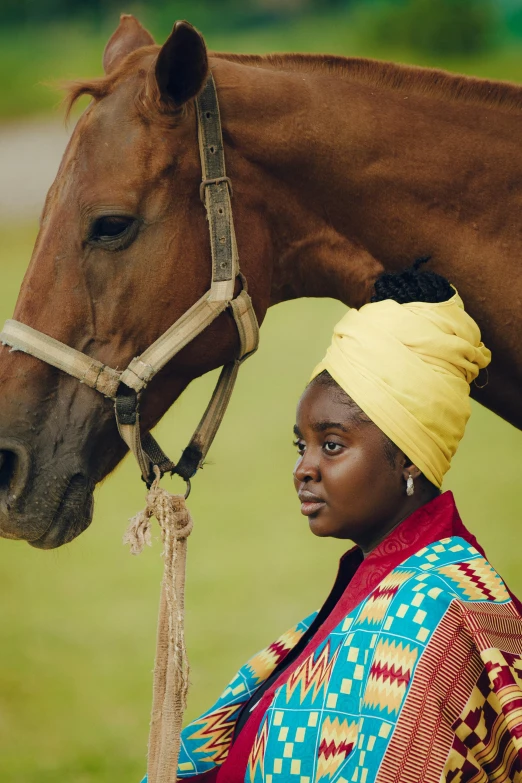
412	285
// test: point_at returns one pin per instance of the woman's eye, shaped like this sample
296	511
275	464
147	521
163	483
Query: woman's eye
116	231
331	448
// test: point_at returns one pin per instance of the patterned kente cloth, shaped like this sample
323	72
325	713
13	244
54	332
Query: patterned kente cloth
415	677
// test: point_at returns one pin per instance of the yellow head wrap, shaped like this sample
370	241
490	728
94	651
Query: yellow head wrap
408	367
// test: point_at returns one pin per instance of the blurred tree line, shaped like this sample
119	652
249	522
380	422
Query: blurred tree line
443	27
220	13
434	26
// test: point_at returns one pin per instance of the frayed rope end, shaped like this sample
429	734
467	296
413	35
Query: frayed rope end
138	534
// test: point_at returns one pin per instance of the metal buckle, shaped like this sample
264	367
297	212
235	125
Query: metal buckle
215	181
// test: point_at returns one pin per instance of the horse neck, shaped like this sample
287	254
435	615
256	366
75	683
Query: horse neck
356	177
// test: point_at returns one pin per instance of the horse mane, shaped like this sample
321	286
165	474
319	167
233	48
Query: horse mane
396	76
415	79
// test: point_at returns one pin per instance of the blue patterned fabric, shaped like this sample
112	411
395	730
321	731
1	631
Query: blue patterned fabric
334	717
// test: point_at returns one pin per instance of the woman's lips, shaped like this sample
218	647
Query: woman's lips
310	504
309	509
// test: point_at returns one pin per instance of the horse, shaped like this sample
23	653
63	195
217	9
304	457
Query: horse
341	168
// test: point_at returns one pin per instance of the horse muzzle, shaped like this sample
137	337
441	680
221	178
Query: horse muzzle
60	499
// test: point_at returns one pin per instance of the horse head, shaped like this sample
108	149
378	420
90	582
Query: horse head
122	252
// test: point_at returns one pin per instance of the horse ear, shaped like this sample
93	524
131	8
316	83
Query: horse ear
129	36
182	65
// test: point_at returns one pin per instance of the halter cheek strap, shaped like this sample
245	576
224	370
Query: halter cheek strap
127	386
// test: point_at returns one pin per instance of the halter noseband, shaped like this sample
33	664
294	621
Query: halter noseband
126	387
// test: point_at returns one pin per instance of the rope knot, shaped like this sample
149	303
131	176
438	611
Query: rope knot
171	512
177	513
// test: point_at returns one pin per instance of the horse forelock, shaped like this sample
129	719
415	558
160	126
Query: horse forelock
99	88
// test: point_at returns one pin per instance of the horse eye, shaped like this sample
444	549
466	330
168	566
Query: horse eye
110	227
113	232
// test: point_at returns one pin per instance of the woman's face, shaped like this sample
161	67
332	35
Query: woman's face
348	485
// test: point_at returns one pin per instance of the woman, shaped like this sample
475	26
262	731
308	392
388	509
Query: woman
412	669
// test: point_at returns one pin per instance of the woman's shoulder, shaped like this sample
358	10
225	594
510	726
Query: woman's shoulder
413	598
459	571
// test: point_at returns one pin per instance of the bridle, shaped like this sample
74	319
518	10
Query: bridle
126	387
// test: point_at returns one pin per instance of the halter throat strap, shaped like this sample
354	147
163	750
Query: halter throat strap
127	386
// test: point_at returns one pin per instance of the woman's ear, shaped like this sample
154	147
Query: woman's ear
412	470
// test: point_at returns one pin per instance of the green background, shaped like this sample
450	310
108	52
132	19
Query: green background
77	625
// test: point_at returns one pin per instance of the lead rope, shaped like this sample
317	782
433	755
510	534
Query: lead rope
171	668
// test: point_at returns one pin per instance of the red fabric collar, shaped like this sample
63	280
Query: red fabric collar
433	521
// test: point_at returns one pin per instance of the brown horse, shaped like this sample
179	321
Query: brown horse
341	168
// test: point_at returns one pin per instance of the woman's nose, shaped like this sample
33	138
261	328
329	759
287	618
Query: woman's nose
306	468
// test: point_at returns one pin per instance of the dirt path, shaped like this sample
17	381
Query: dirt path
30	152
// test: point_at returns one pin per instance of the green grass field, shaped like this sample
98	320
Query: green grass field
78	624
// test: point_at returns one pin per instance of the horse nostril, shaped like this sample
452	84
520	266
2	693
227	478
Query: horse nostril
7	472
6	467
14	471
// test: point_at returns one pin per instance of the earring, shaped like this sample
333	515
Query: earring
410	489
